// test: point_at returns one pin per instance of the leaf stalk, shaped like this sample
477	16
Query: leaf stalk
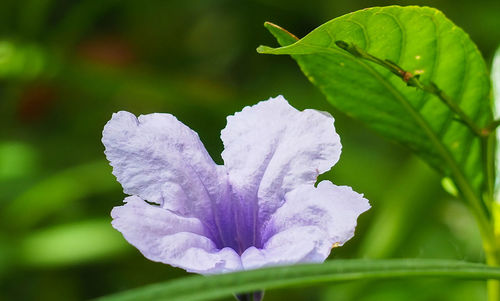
414	81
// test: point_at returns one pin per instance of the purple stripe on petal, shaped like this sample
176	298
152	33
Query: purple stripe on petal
271	148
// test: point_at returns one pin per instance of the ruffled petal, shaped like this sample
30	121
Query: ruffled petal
161	160
198	254
272	148
333	209
162	236
299	244
311	221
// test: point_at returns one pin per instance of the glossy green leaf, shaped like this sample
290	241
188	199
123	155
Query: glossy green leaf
422	41
213	287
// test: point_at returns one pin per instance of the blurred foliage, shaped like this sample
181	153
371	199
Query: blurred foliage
65	66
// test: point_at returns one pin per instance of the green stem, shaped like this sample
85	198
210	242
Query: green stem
488	153
493	286
492	247
414	81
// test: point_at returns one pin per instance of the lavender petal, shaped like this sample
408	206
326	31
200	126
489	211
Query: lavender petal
161	160
308	225
291	246
333	209
272	148
162	236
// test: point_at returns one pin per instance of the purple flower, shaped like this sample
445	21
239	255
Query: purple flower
260	208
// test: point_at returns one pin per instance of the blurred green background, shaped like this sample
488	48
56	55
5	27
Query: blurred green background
65	66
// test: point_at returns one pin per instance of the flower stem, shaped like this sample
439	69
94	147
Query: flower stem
253	296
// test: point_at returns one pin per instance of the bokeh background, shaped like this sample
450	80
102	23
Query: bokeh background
65	66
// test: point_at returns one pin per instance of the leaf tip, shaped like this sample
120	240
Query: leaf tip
268	24
264	49
271	27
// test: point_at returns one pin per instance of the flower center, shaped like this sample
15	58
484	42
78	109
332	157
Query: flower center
235	226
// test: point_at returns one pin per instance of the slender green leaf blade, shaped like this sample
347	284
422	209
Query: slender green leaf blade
212	287
422	41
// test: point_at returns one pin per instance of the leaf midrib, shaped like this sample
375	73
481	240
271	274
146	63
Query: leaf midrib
441	148
462	183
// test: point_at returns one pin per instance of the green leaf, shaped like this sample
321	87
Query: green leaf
422	41
213	287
